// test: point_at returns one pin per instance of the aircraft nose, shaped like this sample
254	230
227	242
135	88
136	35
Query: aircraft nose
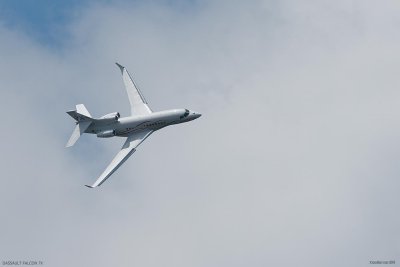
196	115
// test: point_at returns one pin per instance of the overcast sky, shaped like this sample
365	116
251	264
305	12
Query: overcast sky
293	163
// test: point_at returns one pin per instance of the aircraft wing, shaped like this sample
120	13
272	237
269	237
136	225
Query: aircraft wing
127	149
138	102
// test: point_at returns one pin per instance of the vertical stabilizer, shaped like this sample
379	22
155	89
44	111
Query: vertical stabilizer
80	114
81	109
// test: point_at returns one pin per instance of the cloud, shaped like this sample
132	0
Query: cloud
292	163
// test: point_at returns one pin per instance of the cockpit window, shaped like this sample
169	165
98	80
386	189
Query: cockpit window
185	114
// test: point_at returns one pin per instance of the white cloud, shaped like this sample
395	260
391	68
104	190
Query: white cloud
292	163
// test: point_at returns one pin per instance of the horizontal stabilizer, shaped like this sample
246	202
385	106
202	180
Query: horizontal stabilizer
79	129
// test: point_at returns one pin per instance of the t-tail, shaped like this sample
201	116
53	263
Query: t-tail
83	120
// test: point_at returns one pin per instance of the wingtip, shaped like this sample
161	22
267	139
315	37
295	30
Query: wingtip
120	66
69	144
89	186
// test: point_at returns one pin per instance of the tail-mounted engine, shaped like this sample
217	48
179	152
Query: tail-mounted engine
106	134
112	117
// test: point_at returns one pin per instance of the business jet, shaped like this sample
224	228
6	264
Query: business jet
136	128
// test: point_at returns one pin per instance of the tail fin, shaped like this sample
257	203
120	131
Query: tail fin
80	114
83	121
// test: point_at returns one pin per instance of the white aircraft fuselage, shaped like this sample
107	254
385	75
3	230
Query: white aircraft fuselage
126	126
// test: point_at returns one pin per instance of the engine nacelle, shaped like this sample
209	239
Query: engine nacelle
106	134
111	117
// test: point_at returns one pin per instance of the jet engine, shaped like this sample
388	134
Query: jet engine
106	134
112	117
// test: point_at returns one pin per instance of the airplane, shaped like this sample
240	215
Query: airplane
136	128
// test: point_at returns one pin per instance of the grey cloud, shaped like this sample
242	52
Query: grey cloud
292	163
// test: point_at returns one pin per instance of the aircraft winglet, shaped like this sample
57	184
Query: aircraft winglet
89	186
120	67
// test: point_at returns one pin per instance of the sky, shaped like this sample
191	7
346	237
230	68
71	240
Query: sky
294	161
